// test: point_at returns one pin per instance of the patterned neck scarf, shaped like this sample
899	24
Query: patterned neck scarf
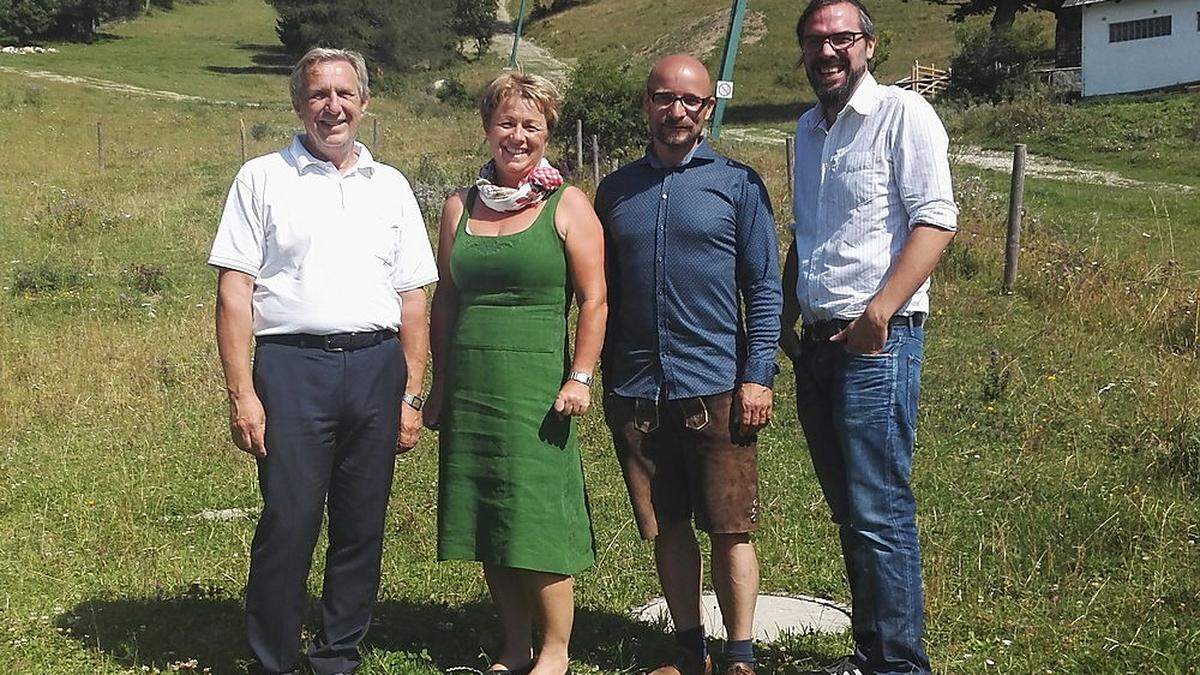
533	188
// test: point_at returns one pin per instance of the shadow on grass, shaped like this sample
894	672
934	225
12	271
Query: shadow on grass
207	624
267	60
762	113
202	623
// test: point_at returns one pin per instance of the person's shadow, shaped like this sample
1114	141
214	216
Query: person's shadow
203	627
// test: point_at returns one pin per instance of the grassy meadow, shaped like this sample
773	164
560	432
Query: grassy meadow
1057	470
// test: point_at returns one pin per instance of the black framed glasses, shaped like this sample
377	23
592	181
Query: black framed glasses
840	42
691	102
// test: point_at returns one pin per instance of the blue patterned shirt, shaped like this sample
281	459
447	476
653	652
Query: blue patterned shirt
685	246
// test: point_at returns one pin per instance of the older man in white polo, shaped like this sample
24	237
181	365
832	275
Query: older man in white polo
322	257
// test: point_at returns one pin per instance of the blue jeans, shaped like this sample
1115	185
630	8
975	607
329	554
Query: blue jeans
859	415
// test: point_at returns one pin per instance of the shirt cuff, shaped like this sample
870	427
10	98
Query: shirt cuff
940	215
415	285
234	264
760	372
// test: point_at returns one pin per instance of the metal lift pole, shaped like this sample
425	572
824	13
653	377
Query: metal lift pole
725	78
512	59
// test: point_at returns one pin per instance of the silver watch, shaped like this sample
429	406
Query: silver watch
413	401
581	377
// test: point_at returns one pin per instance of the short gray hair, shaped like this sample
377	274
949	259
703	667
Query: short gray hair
320	55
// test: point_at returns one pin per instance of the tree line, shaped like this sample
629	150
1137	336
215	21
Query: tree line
394	35
25	21
399	35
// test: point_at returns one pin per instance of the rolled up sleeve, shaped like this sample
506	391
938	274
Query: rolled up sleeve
921	167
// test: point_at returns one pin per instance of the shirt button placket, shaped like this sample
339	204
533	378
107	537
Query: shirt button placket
661	279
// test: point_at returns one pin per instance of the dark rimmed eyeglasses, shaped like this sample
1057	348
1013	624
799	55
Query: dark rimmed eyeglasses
811	44
691	102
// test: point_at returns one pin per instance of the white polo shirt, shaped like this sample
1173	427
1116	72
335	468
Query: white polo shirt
329	253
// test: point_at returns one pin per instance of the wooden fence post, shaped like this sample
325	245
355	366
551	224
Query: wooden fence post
375	134
242	131
579	145
1016	198
595	159
100	145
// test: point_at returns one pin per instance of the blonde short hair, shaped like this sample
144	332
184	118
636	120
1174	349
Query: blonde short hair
535	88
320	55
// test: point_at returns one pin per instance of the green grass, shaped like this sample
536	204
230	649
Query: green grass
1154	138
1057	468
223	49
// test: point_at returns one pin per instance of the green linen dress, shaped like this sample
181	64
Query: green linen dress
510	478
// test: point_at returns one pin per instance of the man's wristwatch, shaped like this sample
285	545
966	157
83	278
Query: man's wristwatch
414	401
581	377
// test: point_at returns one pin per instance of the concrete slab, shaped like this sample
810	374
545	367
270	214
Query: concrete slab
774	615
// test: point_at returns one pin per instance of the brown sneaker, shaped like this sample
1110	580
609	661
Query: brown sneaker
739	668
685	664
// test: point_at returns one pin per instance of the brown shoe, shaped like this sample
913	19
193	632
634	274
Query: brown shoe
685	664
739	668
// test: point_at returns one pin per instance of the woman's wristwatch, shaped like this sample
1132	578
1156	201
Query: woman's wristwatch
581	377
414	401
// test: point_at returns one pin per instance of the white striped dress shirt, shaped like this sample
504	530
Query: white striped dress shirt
860	187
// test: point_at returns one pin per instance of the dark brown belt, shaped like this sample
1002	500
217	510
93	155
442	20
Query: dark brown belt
821	331
334	342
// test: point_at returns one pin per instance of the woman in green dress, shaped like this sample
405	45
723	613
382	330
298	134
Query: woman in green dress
513	252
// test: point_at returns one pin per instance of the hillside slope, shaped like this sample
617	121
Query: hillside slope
769	85
193	49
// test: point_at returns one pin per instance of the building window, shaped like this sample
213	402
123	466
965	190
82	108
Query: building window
1140	29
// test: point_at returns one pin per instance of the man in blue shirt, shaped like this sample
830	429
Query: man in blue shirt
689	238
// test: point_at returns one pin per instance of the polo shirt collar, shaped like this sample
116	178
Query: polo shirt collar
303	160
702	151
863	101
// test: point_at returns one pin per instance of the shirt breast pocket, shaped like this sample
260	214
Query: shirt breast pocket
858	178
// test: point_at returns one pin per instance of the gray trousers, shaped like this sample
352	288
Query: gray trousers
332	421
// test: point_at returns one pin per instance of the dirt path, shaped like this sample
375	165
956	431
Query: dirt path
109	85
530	57
994	160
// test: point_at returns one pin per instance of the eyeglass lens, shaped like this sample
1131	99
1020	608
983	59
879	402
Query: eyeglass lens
666	98
838	41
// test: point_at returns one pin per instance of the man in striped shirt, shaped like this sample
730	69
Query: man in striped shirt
873	211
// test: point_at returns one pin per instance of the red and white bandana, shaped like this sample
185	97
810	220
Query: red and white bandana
533	188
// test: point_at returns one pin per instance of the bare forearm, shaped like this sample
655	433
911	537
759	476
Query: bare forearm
589	335
414	338
913	266
234	319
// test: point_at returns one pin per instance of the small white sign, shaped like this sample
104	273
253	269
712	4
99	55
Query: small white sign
724	88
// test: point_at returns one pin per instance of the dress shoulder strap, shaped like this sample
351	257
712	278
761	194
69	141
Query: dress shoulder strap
466	212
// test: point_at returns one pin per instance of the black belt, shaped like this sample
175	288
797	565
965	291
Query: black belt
821	331
334	342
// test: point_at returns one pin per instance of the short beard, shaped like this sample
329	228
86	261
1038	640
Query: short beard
687	142
836	98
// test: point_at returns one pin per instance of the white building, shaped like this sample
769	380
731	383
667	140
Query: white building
1137	45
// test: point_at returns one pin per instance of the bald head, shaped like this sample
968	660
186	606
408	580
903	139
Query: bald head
678	102
679	72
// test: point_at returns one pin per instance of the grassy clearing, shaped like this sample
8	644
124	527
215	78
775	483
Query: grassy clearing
1152	138
225	49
